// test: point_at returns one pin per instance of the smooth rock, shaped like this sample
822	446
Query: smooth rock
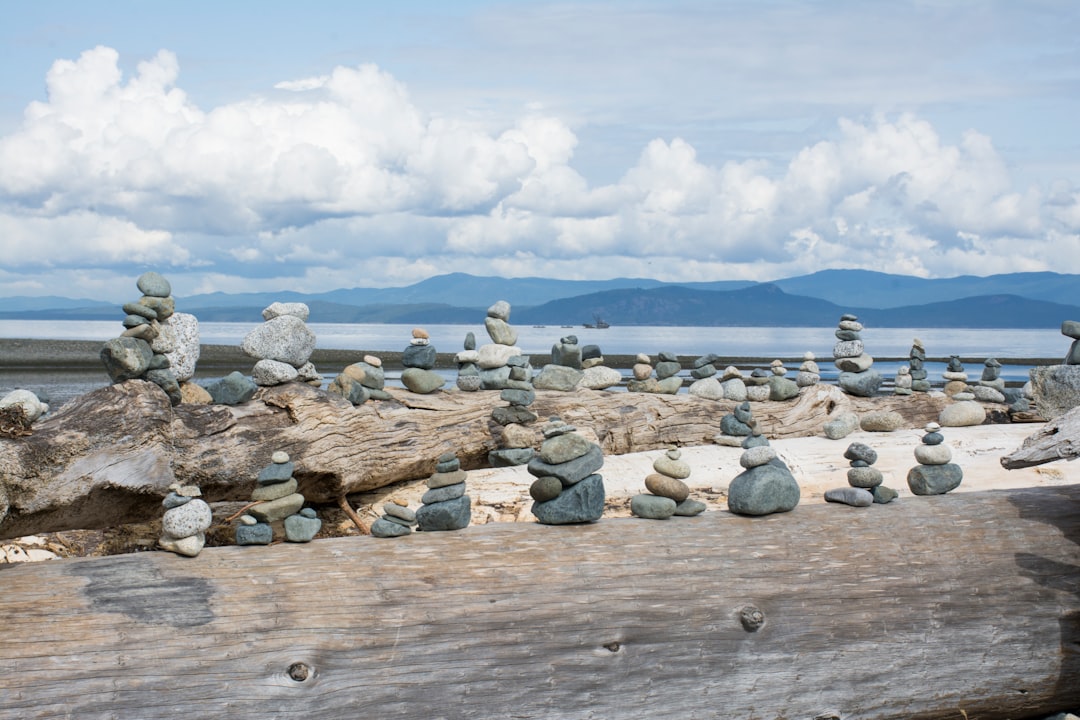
447	515
863	384
194	394
667	487
882	421
345	386
510	457
883	495
557	377
781	388
730	425
126	358
841	425
690	507
734	389
279	509
495	355
265	493
272	372
667	369
276	472
419	356
442	479
673	467
500	310
599	377
500	331
421	382
233	389
934	479
513	414
153	284
301	528
853	496
757	393
861	451
277	309
163	306
962	414
569	473
579	503
933	454
564	448
258	534
856	364
442	494
32	408
545	488
383	528
757	456
864	477
188	519
708	388
189	546
763	490
652	507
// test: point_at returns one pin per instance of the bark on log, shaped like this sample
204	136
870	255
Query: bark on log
108	457
944	607
1059	439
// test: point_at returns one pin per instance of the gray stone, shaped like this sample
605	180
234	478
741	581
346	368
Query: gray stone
781	388
579	503
734	389
599	377
494	355
442	494
188	519
154	285
137	308
934	479
469	383
753	441
163	306
566	353
853	496
419	356
374	376
447	515
189	546
756	456
513	415
564	448
705	371
841	425
510	457
301	528
667	369
863	384
1055	389
349	388
847	349
708	388
962	414
165	380
669	386
500	331
277	509
690	507
447	462
277	309
743	413
673	467
517	397
933	438
173	500
883	495
272	372
273	492
572	472
233	389
126	358
183	329
557	377
500	310
861	451
285	338
258	534
763	490
882	421
421	382
988	394
545	488
276	473
383	528
864	477
652	507
859	363
442	479
730	425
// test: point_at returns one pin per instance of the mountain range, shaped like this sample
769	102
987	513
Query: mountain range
1013	300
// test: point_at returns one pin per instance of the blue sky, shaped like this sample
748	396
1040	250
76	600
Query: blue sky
263	146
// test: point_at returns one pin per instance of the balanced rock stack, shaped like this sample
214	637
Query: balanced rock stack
902	383
705	383
935	474
857	377
594	374
517	438
1055	389
361	381
781	387
564	372
991	386
641	375
419	360
864	480
277	500
150	344
445	504
397	520
955	378
186	520
281	346
809	372
766	486
733	383
567	488
667	380
468	377
736	426
757	385
492	358
916	362
668	495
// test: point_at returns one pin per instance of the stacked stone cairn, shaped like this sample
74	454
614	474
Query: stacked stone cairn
733	384
668	495
397	520
282	346
517	438
703	371
445	504
567	488
361	381
278	502
594	374
667	380
903	381
419	360
564	372
766	486
781	387
864	480
991	386
857	376
935	474
956	379
186	520
468	377
493	358
916	361
641	379
809	372
158	344
757	385
736	426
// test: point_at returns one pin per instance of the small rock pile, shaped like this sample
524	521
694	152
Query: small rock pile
736	426
594	374
903	381
155	340
935	474
282	346
517	438
757	385
780	386
809	372
667	380
278	500
445	504
916	361
864	480
361	381
186	520
668	495
567	488
733	384
492	358
468	378
419	360
766	486
397	520
564	371
955	379
857	376
991	386
703	371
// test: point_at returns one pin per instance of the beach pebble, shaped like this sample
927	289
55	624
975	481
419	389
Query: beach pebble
442	479
276	472
861	451
652	507
690	507
399	511
854	496
564	448
264	493
962	414
757	456
189	546
295	309
444	493
153	284
303	526
32	408
864	477
841	425
383	528
188	519
933	454
278	509
934	479
883	495
667	486
449	515
671	465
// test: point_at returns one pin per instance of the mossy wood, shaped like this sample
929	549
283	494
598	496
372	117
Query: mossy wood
1058	439
941	607
108	457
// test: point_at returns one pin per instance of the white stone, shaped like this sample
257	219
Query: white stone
600	377
278	309
467	356
731	372
272	372
188	519
708	388
31	406
757	393
988	394
500	310
280	457
494	355
734	389
285	338
165	341
189	546
847	349
185	354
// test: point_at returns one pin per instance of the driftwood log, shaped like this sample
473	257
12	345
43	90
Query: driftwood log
1058	439
108	457
958	606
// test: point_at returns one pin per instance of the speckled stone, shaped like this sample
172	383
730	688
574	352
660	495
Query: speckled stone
861	451
258	534
564	448
188	519
757	456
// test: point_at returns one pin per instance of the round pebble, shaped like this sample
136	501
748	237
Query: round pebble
186	520
666	486
395	510
652	507
248	520
545	488
280	457
420	333
756	456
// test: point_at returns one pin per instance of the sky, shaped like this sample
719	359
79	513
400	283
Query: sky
264	146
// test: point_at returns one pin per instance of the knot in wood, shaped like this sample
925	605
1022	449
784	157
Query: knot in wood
299	672
751	618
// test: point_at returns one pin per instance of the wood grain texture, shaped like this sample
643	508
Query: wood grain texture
1058	439
930	608
108	457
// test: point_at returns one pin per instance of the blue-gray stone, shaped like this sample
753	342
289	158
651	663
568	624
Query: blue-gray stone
470	341
569	473
159	362
126	358
421	381
730	425
173	500
374	377
233	389
763	490
510	457
934	479
300	528
591	352
753	441
702	372
165	380
864	477
579	503
861	451
348	388
276	473
933	438
517	397
545	488
447	515
137	308
847	335
652	507
494	378
557	377
853	496
781	388
883	495
667	356
131	321
690	507
447	492
153	284
566	353
667	369
419	356
447	463
258	534
513	415
709	359
383	528
861	384
563	448
743	413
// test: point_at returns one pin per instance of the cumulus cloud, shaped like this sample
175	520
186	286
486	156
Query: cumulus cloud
342	180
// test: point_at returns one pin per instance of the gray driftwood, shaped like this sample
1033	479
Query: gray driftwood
1058	439
942	607
108	457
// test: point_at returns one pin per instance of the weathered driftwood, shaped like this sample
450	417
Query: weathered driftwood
943	607
1059	439
109	456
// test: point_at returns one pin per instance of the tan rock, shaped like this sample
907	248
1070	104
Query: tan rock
194	394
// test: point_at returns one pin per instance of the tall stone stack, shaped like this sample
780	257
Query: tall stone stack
703	371
733	384
955	378
857	376
641	379
278	501
567	488
564	371
935	474
666	380
916	362
991	386
864	480
809	372
736	426
156	345
445	504
282	346
186	520
361	381
468	378
492	358
781	387
903	381
668	495
766	486
594	374
419	358
517	438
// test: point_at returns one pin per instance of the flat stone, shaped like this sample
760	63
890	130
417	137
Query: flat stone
690	507
864	477
668	487
510	457
173	500
513	415
557	377
517	397
277	309
442	479
300	528
494	355
882	421
859	363
756	456
853	496
564	448
652	507
276	473
962	414
669	386
580	503
385	529
672	467
934	479
883	495
933	454
667	369
258	534
569	473
279	509
763	490
273	492
847	349
753	441
861	451
447	515
442	494
165	307
705	371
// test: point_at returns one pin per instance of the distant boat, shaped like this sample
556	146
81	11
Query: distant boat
539	326
598	323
